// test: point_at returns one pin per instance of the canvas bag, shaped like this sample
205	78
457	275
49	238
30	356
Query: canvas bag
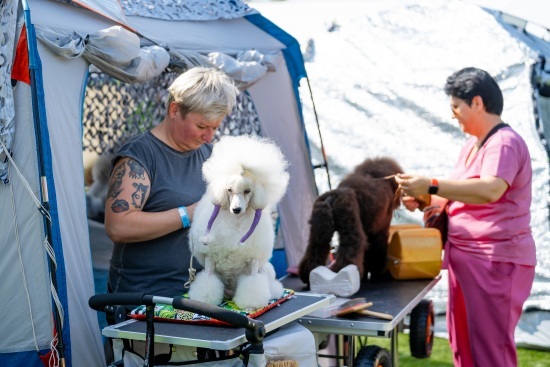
435	216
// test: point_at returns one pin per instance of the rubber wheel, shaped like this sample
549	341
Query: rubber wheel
422	329
372	356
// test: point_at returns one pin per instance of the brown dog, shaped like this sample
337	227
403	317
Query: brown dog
360	210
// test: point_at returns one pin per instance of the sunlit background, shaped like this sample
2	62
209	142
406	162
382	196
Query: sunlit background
376	71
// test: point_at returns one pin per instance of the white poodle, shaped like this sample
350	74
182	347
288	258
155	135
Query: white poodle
232	233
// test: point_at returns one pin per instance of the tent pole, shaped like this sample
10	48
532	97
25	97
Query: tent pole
35	71
325	161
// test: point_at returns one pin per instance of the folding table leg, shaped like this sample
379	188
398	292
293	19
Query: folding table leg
394	356
351	350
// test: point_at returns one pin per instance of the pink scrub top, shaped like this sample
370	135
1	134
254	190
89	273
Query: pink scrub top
498	231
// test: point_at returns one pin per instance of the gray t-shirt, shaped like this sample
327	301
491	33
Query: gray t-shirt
160	266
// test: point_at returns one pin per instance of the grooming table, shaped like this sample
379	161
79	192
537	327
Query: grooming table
394	297
215	336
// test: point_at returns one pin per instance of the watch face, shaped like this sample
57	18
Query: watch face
433	190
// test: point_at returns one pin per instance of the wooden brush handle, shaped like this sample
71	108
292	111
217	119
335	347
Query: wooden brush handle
380	315
351	306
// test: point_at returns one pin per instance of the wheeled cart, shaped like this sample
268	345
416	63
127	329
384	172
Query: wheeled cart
214	337
397	298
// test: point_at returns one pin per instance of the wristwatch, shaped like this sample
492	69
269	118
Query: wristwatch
434	186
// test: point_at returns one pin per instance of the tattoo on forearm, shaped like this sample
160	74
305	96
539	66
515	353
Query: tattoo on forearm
139	195
120	206
136	170
116	181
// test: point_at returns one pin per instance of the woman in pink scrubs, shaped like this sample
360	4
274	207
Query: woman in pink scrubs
490	252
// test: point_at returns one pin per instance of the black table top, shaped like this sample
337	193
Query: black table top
389	296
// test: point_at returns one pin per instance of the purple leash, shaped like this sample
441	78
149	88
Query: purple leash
255	222
216	211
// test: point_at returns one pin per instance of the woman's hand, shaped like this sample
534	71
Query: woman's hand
415	190
413	185
410	203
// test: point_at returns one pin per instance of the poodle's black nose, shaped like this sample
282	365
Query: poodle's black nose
236	210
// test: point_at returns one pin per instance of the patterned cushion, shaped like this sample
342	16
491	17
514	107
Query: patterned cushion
168	313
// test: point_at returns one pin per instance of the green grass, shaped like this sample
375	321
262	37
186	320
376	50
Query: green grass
441	353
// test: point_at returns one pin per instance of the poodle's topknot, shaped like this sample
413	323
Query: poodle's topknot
257	157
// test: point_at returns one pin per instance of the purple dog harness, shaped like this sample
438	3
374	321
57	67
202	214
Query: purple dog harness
216	211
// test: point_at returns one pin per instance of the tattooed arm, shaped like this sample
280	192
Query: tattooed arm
129	188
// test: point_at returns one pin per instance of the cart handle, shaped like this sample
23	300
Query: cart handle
255	330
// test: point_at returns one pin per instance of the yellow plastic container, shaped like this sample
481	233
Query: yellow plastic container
414	253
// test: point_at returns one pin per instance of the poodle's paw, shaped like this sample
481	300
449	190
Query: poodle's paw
275	287
268	270
253	291
207	288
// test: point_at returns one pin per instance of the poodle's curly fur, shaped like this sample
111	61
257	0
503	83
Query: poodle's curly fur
244	175
360	209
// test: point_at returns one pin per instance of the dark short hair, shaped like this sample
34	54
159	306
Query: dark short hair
470	82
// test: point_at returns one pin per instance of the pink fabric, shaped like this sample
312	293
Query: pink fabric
485	304
499	231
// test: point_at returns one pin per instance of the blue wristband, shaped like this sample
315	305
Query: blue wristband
184	217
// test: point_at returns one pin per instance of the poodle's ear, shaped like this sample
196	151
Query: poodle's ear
218	193
259	199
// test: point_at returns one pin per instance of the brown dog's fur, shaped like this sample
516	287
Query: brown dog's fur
360	209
